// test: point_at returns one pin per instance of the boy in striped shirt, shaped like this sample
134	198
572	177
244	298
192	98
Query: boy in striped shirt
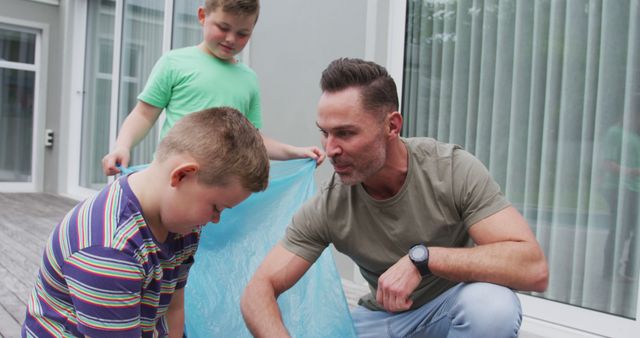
116	265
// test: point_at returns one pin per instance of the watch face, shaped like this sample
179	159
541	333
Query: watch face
419	253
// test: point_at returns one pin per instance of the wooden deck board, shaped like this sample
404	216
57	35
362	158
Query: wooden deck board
9	328
26	220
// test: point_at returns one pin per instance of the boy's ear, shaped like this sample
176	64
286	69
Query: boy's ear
184	170
201	15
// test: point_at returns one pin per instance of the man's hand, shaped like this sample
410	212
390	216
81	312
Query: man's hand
396	285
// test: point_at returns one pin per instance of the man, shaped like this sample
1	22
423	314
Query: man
433	236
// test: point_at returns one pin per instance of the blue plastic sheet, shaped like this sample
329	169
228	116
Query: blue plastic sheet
231	251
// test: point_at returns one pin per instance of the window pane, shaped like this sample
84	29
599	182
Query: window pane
546	94
141	48
105	58
16	124
186	28
97	92
17	46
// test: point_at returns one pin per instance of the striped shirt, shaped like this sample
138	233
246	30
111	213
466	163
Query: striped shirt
104	275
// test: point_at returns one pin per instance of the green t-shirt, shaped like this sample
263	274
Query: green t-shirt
622	146
188	80
445	192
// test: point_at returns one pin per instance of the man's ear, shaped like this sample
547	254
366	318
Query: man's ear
184	170
394	124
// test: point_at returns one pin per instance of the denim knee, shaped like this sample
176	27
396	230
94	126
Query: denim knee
485	310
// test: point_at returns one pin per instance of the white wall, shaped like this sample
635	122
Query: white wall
289	52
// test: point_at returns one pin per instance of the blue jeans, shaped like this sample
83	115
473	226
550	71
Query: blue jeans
466	310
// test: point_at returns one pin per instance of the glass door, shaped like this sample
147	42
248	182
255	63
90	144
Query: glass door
123	41
546	94
18	79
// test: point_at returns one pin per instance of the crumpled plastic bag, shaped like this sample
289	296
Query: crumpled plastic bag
230	252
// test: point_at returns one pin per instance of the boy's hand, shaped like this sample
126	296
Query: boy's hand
314	153
283	152
119	155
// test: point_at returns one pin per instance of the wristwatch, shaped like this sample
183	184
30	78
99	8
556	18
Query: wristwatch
419	255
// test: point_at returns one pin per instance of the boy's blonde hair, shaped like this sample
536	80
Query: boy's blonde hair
224	143
237	7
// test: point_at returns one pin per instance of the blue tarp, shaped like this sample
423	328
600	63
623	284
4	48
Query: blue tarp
231	251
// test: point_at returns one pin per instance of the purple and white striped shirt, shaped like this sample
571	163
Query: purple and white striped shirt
104	275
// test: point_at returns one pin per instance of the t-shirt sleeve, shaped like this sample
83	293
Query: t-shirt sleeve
307	234
254	115
105	289
477	194
191	246
183	272
157	90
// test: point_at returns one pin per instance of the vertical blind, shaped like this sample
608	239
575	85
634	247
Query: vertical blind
546	94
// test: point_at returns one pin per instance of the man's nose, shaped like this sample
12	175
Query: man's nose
332	147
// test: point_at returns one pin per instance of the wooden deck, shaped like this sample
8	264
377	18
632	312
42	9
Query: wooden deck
25	223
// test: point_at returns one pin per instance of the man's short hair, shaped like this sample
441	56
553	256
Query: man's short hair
237	7
378	90
225	145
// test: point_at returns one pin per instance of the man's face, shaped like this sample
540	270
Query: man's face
353	138
225	34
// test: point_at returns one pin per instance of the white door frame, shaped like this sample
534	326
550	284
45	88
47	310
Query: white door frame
546	317
75	102
41	31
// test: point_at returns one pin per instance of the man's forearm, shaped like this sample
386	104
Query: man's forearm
518	265
261	312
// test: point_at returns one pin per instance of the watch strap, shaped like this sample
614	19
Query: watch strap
423	268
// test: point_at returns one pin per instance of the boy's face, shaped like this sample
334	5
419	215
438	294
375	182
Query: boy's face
191	203
225	34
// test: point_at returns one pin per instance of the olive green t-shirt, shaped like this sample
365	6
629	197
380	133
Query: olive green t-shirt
446	191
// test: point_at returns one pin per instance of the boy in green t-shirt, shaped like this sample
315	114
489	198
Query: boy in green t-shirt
203	76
